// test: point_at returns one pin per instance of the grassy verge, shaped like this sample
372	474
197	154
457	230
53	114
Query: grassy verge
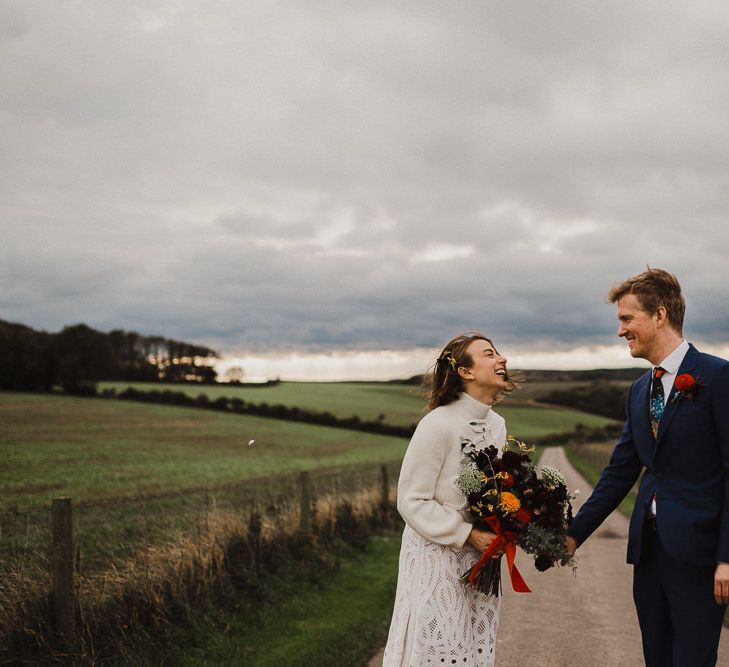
229	566
329	623
591	473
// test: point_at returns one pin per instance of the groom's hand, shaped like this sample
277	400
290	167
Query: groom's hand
721	583
570	544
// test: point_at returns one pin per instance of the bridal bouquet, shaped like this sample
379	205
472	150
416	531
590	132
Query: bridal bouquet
522	506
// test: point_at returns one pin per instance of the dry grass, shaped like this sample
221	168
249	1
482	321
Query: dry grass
596	453
589	459
24	610
147	597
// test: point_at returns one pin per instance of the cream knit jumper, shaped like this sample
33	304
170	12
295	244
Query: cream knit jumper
437	619
427	496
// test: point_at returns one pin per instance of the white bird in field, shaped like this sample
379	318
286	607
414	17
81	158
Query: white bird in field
250	442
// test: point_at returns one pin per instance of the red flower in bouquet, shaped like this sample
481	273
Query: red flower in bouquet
523	516
507	479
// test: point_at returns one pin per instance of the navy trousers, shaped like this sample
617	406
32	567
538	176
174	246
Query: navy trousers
679	619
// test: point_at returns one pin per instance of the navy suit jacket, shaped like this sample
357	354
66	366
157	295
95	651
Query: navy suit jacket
687	467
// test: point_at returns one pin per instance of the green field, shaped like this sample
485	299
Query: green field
114	451
105	452
55	445
93	448
400	404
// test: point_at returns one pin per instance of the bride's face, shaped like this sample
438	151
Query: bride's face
488	370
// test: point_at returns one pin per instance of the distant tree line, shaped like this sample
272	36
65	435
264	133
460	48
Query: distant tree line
77	357
600	398
413	380
276	411
591	375
355	423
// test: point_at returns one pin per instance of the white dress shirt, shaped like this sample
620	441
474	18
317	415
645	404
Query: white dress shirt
670	364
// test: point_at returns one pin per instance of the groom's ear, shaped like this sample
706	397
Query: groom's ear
661	315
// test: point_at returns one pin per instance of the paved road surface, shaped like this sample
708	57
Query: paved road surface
581	621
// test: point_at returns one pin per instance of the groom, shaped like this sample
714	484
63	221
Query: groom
677	432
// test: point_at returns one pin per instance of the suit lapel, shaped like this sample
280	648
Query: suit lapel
687	365
641	410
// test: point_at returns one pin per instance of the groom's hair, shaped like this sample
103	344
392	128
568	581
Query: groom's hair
654	288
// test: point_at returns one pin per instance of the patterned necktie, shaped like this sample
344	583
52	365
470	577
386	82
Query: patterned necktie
657	399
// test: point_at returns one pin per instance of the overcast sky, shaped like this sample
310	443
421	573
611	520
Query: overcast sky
286	176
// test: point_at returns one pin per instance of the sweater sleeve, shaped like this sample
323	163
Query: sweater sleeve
421	468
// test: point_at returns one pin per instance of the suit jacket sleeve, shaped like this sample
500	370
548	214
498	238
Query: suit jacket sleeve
614	484
720	409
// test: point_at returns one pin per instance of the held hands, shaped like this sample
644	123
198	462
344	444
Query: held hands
482	539
721	583
570	545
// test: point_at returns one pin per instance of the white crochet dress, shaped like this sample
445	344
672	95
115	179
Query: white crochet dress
437	620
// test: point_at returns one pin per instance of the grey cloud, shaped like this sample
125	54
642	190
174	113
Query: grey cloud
252	226
286	174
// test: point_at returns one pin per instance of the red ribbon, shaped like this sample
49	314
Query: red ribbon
506	540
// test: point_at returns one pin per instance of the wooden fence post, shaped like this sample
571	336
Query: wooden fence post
64	590
305	519
385	487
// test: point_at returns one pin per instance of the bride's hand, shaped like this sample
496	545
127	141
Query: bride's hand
482	539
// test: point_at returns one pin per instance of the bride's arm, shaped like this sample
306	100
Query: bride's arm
421	468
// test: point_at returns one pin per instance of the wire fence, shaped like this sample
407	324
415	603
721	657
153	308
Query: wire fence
64	560
115	528
24	539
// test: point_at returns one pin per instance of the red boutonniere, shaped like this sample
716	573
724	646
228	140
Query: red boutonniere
686	385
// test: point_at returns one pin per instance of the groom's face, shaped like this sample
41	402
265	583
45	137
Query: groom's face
637	327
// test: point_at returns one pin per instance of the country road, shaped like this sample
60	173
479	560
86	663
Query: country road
575	621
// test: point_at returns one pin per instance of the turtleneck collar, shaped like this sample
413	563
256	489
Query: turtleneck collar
471	408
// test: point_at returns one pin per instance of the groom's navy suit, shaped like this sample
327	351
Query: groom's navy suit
675	555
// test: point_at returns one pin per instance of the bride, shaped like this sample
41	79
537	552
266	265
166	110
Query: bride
437	620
